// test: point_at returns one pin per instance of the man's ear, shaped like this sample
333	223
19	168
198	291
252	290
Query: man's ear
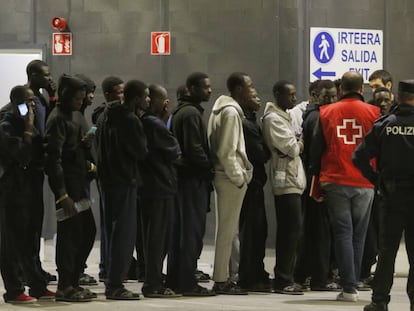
166	105
388	85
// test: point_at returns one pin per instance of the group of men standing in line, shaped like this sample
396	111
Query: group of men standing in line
161	169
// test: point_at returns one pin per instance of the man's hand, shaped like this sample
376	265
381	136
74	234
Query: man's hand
51	88
68	206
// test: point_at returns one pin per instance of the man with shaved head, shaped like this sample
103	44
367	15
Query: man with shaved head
158	191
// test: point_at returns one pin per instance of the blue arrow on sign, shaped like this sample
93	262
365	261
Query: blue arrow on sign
319	73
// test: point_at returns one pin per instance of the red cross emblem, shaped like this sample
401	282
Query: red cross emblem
349	131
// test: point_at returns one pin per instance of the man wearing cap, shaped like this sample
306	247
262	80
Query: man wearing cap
391	142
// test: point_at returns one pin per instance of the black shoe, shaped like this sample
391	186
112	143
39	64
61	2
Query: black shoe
373	306
86	279
228	288
121	293
258	287
163	292
201	277
330	287
369	280
87	293
102	276
199	291
50	277
293	289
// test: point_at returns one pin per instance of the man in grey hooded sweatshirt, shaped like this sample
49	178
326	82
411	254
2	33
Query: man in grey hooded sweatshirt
233	172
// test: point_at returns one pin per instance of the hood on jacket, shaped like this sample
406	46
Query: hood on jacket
114	110
184	104
311	107
226	101
272	107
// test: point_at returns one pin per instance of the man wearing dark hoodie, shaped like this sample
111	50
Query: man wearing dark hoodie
233	172
194	171
67	166
86	279
253	222
158	192
317	233
20	156
121	144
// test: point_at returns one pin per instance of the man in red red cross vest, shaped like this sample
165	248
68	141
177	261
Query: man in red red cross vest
348	194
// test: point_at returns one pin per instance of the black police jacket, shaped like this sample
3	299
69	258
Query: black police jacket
391	143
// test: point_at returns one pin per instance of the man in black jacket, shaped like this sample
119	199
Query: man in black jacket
253	222
317	237
67	167
158	192
391	142
194	186
121	144
20	157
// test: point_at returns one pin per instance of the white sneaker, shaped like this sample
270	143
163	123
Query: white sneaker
352	297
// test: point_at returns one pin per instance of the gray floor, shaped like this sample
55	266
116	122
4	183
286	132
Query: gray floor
309	301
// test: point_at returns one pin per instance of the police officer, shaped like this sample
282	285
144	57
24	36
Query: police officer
391	142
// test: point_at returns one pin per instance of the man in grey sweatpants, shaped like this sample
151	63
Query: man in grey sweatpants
233	172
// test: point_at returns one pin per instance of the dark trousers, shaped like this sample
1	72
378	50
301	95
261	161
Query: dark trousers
36	178
372	239
120	206
156	221
189	222
288	209
75	238
252	236
315	252
103	252
398	215
139	262
19	225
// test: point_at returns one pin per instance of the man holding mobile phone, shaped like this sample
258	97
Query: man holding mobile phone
20	142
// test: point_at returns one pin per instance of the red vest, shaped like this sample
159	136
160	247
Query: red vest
344	125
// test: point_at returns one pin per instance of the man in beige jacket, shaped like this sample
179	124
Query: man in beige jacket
288	181
233	171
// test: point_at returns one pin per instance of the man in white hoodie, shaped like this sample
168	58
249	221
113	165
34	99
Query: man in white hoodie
233	172
288	181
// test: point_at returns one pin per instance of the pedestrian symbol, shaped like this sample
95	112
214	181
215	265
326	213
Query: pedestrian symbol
323	47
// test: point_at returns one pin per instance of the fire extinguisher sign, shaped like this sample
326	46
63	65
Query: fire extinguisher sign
160	43
62	43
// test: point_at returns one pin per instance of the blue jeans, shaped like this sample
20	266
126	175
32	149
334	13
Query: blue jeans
349	210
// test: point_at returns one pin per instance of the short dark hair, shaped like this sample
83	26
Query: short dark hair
156	91
17	93
325	84
109	83
182	92
351	81
313	86
34	67
280	87
195	78
381	89
134	88
234	80
382	74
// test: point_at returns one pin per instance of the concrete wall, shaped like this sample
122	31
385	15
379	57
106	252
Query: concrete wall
266	38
